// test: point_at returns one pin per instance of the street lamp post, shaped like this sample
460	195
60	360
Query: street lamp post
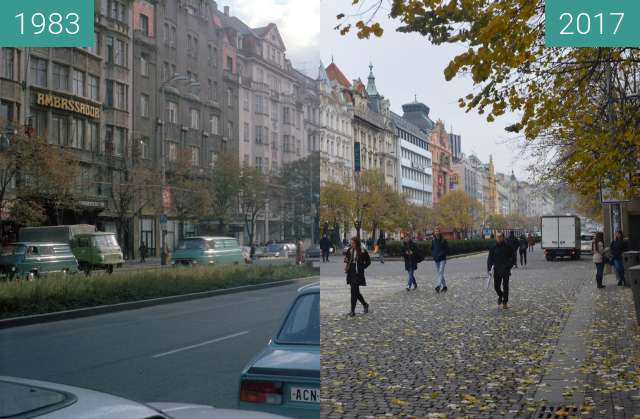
163	169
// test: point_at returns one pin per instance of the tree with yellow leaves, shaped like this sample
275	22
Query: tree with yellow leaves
457	211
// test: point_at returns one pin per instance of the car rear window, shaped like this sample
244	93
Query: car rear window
586	237
302	325
105	241
20	399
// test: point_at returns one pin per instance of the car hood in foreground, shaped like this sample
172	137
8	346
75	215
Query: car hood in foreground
290	360
194	411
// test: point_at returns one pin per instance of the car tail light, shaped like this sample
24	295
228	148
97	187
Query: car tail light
254	391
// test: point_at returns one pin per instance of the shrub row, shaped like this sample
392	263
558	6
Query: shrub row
456	247
50	294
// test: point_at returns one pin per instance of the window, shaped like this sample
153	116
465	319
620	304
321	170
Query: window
118	141
59	129
246	132
92	136
144	24
120	53
166	33
195	156
165	71
215	122
94	88
174	36
172	151
144	105
6	111
60	77
77	133
95	49
230	130
210	84
189	44
110	51
229	97
262	135
109	100
39	121
172	112
229	64
259	164
144	65
78	83
246	100
213	158
144	148
215	57
117	94
195	119
8	66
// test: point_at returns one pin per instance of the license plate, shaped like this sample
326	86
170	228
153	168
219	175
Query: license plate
305	395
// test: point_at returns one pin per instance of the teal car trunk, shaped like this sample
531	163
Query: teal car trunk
207	251
26	260
284	378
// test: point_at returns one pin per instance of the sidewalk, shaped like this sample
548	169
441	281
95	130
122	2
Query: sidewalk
420	354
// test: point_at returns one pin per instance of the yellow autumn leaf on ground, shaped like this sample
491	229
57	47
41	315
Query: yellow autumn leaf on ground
561	412
398	402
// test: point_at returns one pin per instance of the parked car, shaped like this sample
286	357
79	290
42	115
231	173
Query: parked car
285	377
585	243
313	252
34	260
207	251
280	250
23	398
95	250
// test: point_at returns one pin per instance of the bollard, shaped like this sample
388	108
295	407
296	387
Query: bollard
633	280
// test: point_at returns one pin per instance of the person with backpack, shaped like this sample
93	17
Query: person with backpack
524	244
501	260
356	261
325	247
412	256
439	252
597	246
617	248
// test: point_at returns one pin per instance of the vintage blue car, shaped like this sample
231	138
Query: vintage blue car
285	377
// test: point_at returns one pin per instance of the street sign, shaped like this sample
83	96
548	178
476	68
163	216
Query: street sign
356	156
608	196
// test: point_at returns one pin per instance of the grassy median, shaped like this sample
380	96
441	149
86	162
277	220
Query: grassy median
50	294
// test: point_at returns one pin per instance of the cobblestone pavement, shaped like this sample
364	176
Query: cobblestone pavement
420	354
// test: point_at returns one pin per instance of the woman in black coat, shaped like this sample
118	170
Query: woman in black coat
356	261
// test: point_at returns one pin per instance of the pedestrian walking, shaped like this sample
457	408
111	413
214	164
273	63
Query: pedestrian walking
617	248
515	245
299	251
439	252
382	245
356	261
412	256
531	241
524	244
501	260
325	248
597	246
143	252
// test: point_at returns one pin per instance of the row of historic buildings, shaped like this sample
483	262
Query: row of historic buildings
415	154
164	79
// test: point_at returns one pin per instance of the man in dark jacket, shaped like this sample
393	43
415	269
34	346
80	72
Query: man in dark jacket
439	252
382	245
617	248
325	248
522	249
515	245
411	260
501	259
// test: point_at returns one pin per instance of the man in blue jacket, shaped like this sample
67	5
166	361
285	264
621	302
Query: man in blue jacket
439	252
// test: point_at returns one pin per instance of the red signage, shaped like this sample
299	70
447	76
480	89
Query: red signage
166	198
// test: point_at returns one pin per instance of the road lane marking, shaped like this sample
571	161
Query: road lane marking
197	345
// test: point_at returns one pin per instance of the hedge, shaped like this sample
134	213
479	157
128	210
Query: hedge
456	247
56	293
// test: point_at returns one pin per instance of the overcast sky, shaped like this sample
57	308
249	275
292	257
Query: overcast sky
298	22
406	65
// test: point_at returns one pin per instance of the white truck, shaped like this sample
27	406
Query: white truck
560	236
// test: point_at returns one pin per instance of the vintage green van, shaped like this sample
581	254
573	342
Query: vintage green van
93	249
32	260
207	251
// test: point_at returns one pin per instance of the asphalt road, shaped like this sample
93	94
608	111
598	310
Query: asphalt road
189	352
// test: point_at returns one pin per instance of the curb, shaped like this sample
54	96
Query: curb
460	255
132	305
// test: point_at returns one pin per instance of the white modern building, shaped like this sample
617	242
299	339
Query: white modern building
416	172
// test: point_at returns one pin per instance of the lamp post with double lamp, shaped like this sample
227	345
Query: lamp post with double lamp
163	169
